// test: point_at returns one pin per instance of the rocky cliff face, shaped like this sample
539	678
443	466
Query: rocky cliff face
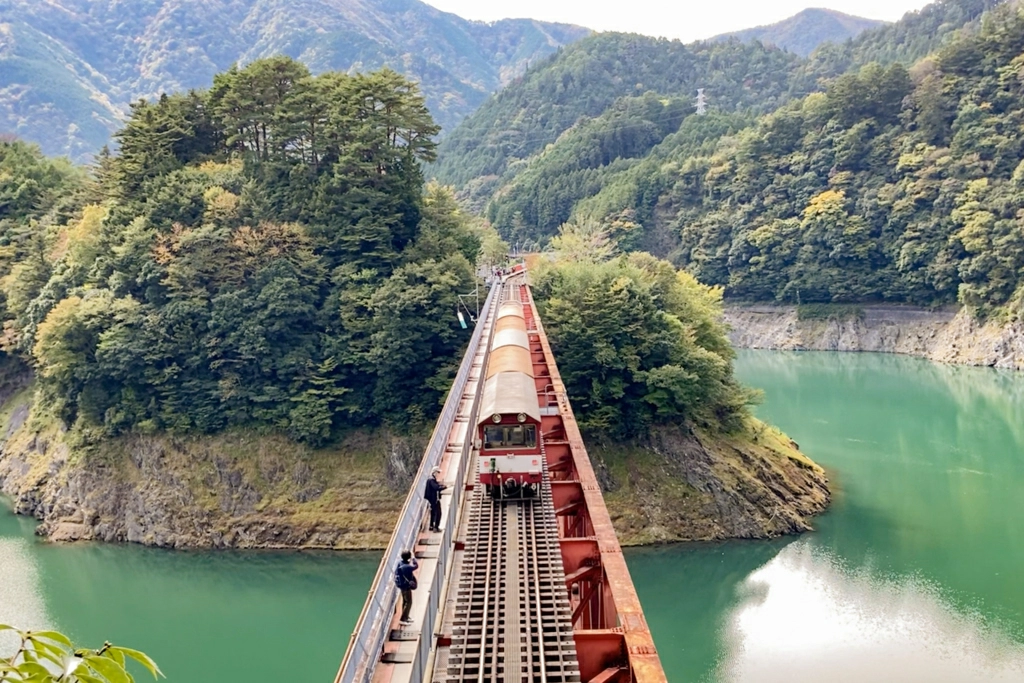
944	336
678	484
243	490
229	491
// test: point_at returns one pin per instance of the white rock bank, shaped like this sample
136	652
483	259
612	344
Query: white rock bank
947	336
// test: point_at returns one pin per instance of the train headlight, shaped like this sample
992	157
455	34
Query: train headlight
495	418
521	417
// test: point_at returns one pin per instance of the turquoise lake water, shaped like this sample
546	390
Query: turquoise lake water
915	575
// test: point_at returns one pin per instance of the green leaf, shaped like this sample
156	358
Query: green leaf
115	654
38	654
142	658
88	678
47	650
51	635
33	669
108	668
40	678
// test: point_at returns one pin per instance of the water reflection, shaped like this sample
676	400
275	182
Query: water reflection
996	396
203	616
687	595
21	595
804	617
930	459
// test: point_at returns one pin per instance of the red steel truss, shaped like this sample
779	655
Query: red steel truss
613	642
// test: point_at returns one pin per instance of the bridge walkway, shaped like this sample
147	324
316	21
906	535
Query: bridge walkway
508	592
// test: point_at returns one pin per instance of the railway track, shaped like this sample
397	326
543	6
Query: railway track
498	605
512	620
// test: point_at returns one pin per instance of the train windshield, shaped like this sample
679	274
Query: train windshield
510	436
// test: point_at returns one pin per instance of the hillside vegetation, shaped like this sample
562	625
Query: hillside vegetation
637	342
572	126
236	333
806	30
913	37
69	68
587	78
262	254
893	183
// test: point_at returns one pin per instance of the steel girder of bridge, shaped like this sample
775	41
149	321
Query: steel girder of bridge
594	595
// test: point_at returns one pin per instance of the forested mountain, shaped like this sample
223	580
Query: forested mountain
632	133
260	254
69	68
806	30
559	134
911	38
587	78
893	184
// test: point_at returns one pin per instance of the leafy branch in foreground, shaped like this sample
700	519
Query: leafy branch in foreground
49	657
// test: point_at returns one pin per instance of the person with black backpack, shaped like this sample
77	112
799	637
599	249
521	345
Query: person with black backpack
405	579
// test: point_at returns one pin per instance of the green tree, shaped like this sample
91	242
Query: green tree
639	343
266	255
415	337
251	105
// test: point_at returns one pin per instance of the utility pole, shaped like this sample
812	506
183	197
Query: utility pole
702	102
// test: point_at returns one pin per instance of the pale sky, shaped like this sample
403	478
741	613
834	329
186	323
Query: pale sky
687	19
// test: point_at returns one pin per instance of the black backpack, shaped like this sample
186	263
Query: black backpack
402	582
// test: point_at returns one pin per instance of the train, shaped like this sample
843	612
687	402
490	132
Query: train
508	427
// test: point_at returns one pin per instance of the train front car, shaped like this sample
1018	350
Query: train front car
509	426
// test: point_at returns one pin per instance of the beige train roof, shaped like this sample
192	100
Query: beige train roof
511	337
510	322
510	308
510	359
509	393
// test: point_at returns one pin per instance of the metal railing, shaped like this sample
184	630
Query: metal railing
371	632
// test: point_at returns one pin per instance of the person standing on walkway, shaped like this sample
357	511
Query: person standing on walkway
405	579
432	493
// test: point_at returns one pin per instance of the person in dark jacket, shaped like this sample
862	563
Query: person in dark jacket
405	579
432	493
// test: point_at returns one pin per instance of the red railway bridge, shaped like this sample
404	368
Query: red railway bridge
508	592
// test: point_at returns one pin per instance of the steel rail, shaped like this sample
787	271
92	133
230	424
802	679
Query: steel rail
500	614
540	607
487	596
532	612
367	641
511	590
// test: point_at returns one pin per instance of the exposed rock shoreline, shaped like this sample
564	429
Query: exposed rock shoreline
248	491
947	336
678	484
191	493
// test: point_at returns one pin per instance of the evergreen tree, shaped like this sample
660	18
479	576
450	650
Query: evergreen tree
266	256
